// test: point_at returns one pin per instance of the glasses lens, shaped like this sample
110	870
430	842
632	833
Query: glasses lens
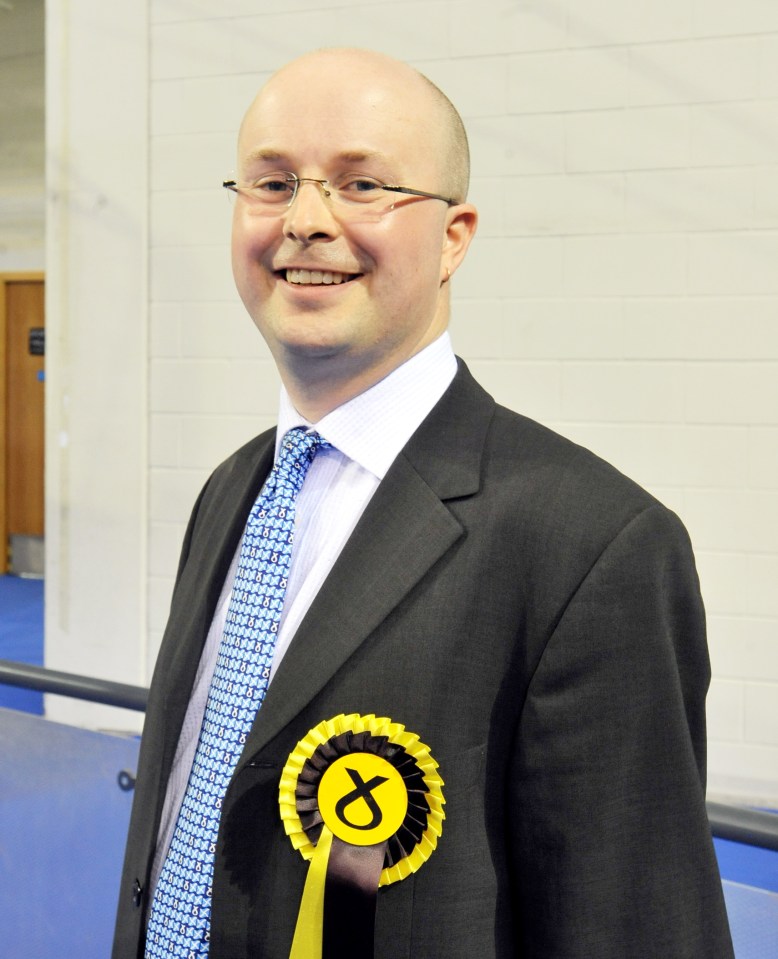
356	188
273	189
360	198
352	196
267	196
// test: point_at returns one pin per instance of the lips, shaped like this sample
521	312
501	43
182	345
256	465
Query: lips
317	277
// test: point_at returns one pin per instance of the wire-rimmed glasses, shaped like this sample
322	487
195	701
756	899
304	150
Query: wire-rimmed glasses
353	195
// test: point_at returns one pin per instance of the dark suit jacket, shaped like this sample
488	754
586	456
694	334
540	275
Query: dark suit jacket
535	618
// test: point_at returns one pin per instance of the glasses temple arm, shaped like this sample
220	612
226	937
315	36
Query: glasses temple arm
432	196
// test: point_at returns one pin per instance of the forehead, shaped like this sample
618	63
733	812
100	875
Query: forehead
323	119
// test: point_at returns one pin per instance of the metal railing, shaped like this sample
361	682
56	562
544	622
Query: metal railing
69	684
748	826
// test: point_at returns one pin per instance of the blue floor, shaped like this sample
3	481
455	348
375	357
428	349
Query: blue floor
21	636
748	865
63	824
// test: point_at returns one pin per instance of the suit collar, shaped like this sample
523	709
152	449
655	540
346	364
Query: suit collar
447	449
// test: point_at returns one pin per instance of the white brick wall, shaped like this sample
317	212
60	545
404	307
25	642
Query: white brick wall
97	349
623	287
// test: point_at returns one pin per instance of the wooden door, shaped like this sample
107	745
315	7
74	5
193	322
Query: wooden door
21	409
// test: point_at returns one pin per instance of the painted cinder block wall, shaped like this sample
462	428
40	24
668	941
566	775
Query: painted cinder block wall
623	288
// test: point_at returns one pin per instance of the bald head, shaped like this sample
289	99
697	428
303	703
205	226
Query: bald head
347	279
393	85
456	151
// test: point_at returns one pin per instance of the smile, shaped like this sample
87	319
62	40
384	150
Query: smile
318	277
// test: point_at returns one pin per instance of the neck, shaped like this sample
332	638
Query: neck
318	383
315	389
317	386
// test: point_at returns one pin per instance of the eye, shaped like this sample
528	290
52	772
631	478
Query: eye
274	186
359	187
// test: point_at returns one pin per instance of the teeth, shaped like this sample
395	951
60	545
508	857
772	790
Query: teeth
316	277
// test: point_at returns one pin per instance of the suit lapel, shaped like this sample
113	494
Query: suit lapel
404	531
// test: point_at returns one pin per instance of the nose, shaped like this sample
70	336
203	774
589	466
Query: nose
309	216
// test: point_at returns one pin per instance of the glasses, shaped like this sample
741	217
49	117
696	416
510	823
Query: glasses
355	195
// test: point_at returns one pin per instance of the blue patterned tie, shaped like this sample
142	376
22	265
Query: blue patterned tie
181	911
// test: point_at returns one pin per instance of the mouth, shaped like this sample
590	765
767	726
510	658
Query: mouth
317	277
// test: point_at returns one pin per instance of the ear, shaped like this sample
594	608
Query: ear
461	223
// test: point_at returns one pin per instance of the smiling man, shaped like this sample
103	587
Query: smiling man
387	255
451	659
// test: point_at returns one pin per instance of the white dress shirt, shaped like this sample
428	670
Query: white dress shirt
366	434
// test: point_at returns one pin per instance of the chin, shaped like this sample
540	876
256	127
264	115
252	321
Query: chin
312	347
314	334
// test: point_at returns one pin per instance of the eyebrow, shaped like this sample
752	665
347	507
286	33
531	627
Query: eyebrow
265	154
360	156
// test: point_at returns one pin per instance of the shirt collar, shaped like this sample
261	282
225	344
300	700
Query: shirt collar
373	427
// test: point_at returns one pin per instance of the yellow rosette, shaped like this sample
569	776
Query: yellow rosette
361	799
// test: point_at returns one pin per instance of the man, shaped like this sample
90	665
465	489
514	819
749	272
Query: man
529	613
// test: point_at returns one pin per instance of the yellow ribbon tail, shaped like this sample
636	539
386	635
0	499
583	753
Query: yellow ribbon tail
310	919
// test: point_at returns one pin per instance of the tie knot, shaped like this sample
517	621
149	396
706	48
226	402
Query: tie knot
295	455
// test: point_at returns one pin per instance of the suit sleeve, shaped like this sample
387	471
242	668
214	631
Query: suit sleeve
608	837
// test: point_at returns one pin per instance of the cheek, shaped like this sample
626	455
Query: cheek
421	240
249	245
253	236
407	251
414	266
